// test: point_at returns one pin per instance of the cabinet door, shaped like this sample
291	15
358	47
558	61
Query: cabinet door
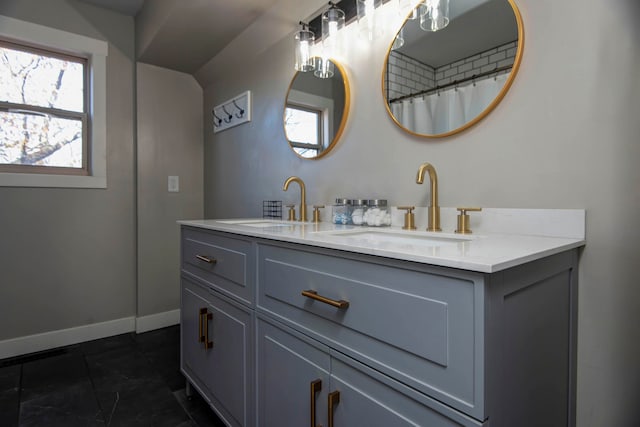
220	364
289	365
360	396
194	356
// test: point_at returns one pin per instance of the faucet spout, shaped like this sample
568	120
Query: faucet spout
434	208
303	195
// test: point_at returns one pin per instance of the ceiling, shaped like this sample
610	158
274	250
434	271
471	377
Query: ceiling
468	32
185	35
126	7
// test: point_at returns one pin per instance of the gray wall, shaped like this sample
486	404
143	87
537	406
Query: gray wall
77	257
169	118
68	255
565	136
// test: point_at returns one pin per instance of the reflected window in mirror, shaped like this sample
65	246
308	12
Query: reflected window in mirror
315	112
440	83
304	130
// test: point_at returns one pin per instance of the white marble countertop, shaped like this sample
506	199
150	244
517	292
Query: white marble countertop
488	250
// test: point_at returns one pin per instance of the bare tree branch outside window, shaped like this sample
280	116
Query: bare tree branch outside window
42	108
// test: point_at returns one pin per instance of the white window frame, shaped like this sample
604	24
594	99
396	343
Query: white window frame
319	131
96	51
316	103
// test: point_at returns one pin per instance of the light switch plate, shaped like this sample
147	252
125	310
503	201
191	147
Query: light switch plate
174	184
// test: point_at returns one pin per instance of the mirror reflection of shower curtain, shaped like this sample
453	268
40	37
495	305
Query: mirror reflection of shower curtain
449	109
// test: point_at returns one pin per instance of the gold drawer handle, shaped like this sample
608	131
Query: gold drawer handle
316	386
201	314
207	344
207	259
314	295
334	399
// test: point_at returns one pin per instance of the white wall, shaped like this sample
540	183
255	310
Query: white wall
565	136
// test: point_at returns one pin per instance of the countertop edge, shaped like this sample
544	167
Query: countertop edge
483	264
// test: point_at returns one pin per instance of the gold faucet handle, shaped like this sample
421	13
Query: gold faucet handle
316	212
409	217
463	220
292	212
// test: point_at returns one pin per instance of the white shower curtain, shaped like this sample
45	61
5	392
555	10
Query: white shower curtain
449	109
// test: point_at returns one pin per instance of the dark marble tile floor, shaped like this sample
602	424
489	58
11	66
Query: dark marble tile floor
126	380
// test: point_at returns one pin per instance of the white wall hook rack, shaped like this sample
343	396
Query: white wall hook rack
232	113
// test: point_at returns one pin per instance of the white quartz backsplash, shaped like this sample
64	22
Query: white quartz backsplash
569	223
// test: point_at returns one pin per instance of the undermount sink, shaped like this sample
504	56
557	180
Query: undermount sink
257	222
414	238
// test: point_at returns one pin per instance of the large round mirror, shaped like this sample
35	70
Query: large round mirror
438	83
316	109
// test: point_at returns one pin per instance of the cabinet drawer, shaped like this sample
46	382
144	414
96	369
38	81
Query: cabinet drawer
222	262
420	325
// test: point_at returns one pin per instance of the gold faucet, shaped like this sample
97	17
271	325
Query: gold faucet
303	197
434	209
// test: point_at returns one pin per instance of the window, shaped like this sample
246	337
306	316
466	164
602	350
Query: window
43	120
304	130
308	123
52	107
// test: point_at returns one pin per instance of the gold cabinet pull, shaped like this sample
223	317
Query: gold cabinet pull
207	259
334	399
207	344
201	314
335	303
316	386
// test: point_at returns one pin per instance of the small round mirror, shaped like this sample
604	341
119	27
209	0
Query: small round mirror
316	109
438	83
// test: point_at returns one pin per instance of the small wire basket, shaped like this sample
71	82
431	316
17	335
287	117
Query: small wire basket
272	209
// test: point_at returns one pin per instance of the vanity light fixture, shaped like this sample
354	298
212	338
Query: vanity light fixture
368	20
302	49
333	20
406	7
324	68
434	14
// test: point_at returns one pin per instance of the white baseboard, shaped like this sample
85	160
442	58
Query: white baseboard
63	337
48	340
157	321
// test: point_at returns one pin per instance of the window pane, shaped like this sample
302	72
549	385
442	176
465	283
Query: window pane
27	139
307	153
302	126
29	78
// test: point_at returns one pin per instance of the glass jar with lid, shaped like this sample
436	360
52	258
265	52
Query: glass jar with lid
377	213
341	211
358	207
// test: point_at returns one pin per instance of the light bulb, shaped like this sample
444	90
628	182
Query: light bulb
302	50
370	28
332	22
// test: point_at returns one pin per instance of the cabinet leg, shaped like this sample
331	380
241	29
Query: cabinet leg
188	391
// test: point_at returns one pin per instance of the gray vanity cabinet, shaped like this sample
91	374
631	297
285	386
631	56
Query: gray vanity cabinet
217	329
401	343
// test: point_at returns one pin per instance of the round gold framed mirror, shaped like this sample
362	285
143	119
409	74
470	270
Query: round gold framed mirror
439	83
316	109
